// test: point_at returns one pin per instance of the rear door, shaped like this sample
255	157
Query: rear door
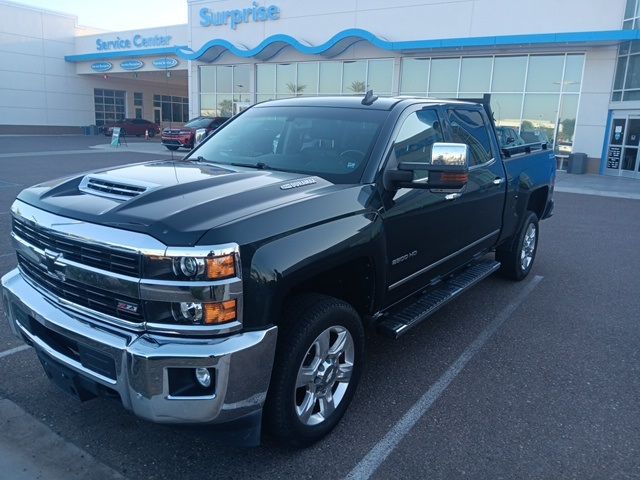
478	210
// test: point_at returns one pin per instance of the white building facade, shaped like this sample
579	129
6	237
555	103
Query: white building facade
561	70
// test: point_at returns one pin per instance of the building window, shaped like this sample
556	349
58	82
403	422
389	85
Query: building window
109	105
536	94
172	108
137	104
348	77
225	89
626	83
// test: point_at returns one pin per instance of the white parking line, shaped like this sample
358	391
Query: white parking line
379	453
11	351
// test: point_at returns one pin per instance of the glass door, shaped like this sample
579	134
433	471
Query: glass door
624	146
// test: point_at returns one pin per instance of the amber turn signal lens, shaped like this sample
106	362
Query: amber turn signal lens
221	267
216	313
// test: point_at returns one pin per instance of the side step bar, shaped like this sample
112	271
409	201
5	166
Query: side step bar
408	316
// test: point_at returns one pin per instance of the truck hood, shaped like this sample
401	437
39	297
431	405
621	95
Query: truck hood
176	202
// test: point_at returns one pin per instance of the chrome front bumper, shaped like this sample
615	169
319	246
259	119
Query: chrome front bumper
242	362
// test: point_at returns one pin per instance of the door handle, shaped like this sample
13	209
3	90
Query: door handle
452	196
498	181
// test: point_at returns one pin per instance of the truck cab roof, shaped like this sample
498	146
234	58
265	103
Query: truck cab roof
355	101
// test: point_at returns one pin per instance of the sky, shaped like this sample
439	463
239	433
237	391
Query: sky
118	14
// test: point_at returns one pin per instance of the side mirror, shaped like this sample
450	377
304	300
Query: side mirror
447	170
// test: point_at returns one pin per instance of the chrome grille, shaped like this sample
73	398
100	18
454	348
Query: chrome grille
80	294
104	258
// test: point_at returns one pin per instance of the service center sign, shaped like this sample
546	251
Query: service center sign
137	41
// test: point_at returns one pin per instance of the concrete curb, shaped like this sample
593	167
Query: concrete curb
30	450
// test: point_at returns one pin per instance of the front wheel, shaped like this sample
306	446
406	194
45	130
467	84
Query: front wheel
319	359
517	259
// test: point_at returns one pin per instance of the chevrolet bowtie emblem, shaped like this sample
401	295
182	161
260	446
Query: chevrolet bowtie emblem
52	265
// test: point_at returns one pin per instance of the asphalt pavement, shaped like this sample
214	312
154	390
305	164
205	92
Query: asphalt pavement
537	379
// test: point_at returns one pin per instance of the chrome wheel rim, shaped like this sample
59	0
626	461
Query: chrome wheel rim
528	247
324	375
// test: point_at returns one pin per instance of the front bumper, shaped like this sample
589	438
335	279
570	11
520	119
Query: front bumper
142	363
177	141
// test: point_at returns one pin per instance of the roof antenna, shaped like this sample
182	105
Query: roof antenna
369	98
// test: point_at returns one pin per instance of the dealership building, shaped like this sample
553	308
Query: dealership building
568	71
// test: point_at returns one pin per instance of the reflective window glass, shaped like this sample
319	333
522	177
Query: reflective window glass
572	73
242	78
308	78
286	79
545	73
207	79
354	77
630	96
509	74
266	78
415	76
380	76
620	71
223	79
444	75
540	112
506	109
567	123
633	72
224	105
207	104
475	74
330	78
630	9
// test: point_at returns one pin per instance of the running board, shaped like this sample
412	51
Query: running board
406	317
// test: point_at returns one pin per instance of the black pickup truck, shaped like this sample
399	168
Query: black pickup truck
233	287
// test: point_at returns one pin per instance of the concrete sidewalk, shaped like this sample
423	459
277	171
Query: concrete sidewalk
601	185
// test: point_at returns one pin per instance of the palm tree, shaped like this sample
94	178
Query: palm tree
357	86
295	88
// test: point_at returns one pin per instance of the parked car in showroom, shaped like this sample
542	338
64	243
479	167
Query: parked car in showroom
174	138
133	126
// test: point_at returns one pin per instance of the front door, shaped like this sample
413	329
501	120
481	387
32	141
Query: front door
428	233
624	143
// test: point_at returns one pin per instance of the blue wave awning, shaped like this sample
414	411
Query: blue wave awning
337	44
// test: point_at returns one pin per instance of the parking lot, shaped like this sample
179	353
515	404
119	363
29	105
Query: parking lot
538	379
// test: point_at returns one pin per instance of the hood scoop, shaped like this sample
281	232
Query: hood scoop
113	187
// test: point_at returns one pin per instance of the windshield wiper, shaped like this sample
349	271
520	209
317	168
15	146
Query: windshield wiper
258	165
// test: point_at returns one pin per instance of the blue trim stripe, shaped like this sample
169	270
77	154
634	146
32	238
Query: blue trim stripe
342	40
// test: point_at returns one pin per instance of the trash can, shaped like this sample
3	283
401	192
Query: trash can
577	163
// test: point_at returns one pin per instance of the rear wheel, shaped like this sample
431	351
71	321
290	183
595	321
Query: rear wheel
318	363
517	259
173	148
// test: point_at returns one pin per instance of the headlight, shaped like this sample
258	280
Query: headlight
190	268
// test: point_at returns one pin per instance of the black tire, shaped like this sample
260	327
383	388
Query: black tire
152	134
123	132
511	256
305	319
173	148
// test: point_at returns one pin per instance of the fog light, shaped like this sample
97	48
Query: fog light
189	311
204	377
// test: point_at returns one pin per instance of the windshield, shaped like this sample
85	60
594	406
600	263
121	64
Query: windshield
198	123
333	143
